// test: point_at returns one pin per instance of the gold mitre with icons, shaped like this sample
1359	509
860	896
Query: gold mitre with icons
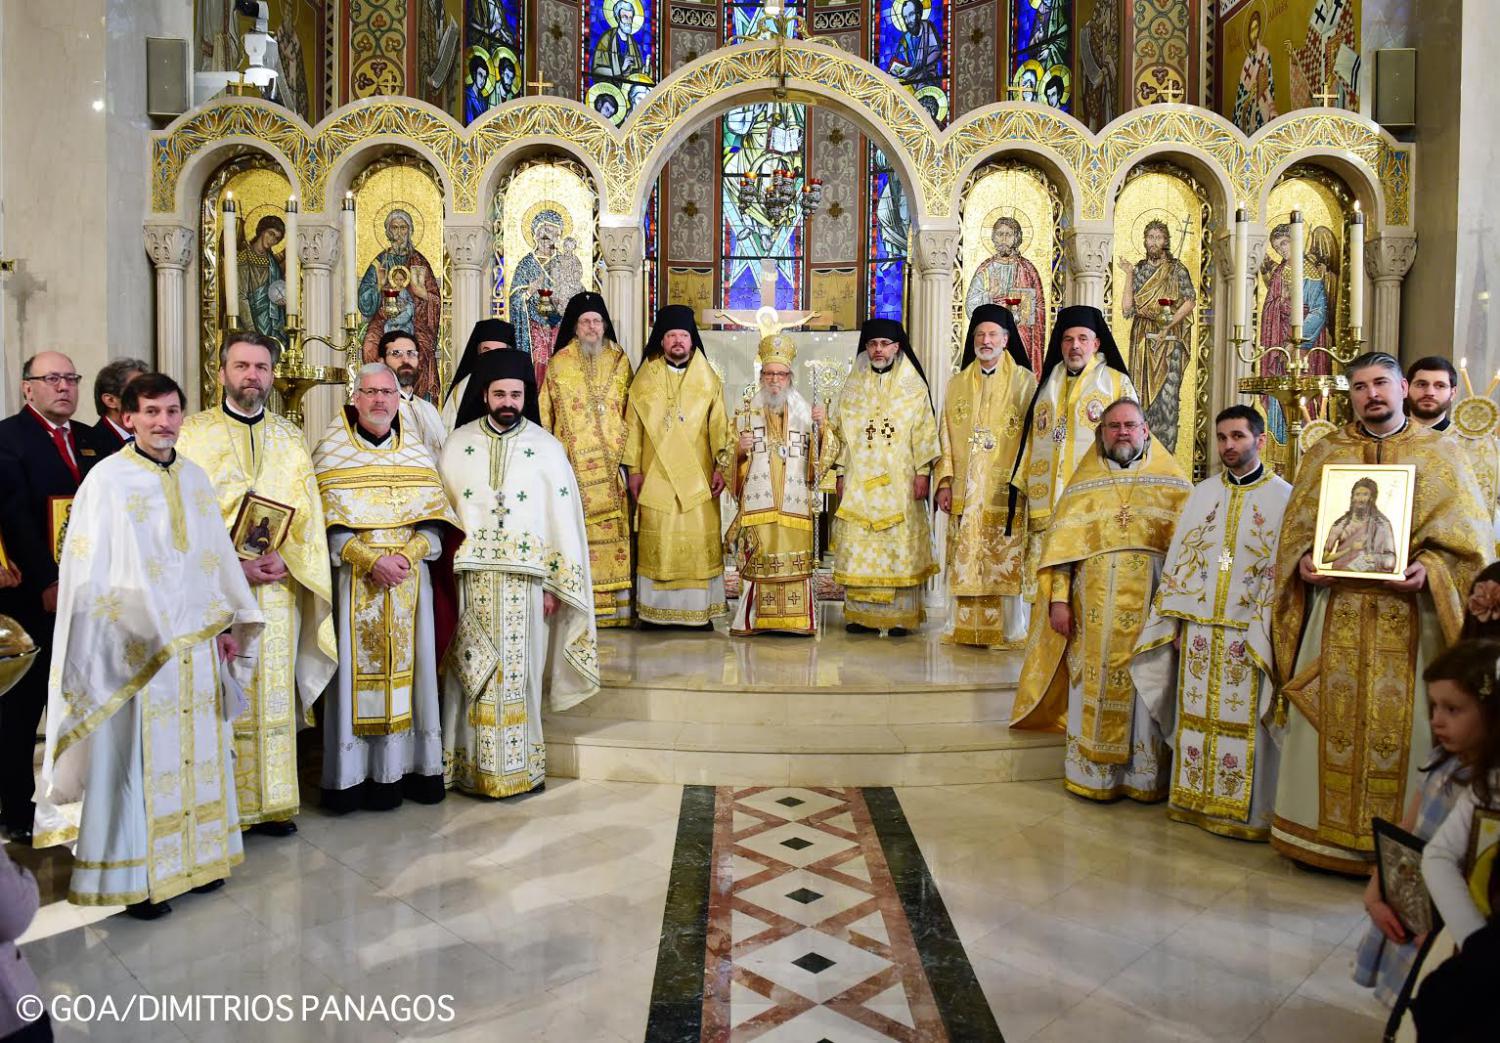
777	347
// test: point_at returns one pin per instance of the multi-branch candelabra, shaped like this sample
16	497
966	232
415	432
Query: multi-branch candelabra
1293	388
777	194
294	378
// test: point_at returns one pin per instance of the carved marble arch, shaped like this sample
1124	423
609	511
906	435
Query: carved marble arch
1173	382
1029	195
260	188
397	181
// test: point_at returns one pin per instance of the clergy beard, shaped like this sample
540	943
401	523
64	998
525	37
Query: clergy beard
505	417
591	348
247	400
406	375
1122	453
775	398
1424	416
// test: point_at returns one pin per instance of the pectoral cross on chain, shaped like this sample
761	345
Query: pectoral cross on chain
982	439
1226	560
1122	517
500	510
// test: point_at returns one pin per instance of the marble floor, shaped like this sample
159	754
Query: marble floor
832	658
546	918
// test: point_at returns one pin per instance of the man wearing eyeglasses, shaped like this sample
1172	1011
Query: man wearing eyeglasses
387	512
420	419
44	455
1101	561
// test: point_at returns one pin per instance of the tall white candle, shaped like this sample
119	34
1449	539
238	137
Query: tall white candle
1295	290
1240	274
1356	273
351	278
231	263
293	262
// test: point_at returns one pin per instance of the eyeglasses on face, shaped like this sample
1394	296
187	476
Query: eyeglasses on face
376	392
59	379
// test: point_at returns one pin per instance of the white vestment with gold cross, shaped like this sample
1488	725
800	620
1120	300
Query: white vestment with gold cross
1202	661
524	536
138	766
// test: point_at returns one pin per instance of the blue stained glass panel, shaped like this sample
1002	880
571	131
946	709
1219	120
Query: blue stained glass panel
1042	51
493	64
762	139
887	241
909	38
619	56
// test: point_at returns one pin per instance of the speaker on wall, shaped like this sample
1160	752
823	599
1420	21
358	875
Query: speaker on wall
166	77
1396	87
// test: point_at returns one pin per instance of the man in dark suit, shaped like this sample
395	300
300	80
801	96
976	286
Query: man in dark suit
109	385
44	455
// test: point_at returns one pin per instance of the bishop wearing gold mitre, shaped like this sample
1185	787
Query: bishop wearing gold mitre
776	478
884	441
1082	373
1348	652
1469	423
1100	564
677	453
249	451
582	404
983	414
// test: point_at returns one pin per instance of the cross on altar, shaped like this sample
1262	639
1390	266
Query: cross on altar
1171	93
1327	96
541	85
766	318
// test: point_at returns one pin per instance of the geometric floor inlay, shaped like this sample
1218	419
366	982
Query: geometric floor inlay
804	901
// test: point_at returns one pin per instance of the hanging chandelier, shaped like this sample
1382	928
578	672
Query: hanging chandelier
777	195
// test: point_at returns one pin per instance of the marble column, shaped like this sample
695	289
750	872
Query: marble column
624	250
470	246
1227	366
170	247
318	250
1091	247
1388	257
932	339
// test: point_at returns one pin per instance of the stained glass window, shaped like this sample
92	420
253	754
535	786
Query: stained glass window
909	39
1041	34
889	229
619	56
493	70
763	246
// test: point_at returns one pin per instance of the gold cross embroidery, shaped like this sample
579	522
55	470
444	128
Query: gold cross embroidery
1226	560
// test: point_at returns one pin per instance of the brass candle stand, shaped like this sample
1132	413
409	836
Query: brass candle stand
294	378
1292	389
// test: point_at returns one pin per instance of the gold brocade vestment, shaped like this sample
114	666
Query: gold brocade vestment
980	435
582	403
381	494
678	434
1101	554
777	486
298	652
1349	655
1484	457
882	435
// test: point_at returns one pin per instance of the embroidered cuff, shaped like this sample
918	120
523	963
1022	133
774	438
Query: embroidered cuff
360	555
415	549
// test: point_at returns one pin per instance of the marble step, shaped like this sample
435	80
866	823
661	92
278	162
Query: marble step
952	704
627	750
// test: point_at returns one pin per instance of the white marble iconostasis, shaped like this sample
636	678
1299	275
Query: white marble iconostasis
1085	178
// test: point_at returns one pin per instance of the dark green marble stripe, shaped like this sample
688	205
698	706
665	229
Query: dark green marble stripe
961	1003
677	993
